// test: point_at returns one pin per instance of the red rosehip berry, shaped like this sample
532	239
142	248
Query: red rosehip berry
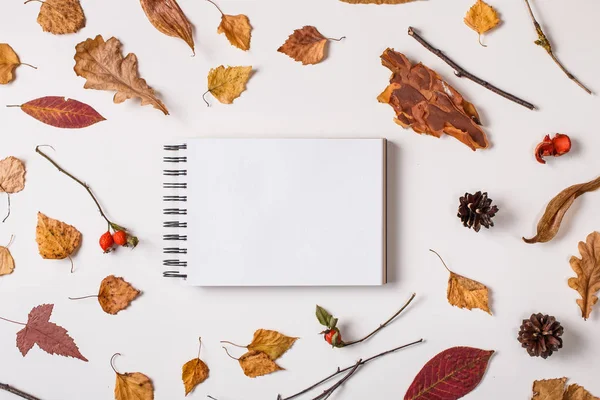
333	337
106	241
120	238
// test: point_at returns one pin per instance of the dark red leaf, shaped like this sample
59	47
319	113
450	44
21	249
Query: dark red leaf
450	375
51	338
62	113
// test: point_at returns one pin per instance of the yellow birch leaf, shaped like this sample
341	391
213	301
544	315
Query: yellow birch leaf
116	294
9	60
61	16
272	343
587	268
193	373
133	386
7	263
227	84
56	240
481	17
237	29
257	363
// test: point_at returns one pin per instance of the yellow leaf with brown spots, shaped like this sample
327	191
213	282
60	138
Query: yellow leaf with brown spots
61	16
237	29
12	175
257	363
272	343
133	386
227	84
56	240
116	294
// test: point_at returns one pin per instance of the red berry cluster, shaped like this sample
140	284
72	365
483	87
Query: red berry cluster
108	240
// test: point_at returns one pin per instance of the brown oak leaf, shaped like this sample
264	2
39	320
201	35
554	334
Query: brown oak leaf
272	343
7	262
306	45
61	16
587	268
466	293
12	175
168	18
423	101
194	372
257	363
51	338
104	68
555	389
481	17
56	240
116	294
133	386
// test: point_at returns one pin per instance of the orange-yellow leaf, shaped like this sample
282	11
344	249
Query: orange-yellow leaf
61	16
587	268
56	240
7	263
116	294
272	343
193	373
554	389
133	386
257	363
9	60
306	45
481	17
237	29
168	18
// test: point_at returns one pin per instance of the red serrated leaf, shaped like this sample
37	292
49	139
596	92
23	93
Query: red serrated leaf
450	375
62	113
51	338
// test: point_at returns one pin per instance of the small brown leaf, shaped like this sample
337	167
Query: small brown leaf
227	84
12	175
481	17
554	389
9	60
168	18
61	16
194	372
587	268
133	386
466	293
306	45
257	363
56	240
104	68
116	294
549	224
237	29
272	343
7	263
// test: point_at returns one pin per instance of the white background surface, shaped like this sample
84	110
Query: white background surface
121	159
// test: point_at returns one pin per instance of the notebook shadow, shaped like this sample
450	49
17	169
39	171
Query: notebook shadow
393	214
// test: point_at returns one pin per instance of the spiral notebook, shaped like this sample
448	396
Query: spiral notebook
276	212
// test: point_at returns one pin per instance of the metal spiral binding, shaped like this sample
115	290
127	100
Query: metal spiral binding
170	237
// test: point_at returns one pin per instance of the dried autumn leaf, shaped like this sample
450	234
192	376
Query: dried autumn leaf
466	293
272	343
377	1
133	386
587	269
51	338
60	16
7	263
104	68
549	224
427	104
168	18
481	17
450	375
116	294
56	240
12	175
237	29
554	389
60	112
9	60
306	45
227	84
193	373
257	363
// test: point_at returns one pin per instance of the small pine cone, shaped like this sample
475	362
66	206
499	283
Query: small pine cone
476	210
541	335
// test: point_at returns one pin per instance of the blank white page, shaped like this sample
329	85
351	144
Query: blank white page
286	212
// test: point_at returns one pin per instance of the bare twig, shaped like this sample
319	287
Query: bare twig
18	392
545	43
339	371
461	72
325	395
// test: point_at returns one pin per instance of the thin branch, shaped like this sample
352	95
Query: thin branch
545	43
18	392
85	185
210	397
384	324
460	72
325	395
339	371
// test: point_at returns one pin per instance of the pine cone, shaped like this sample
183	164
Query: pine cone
541	335
476	210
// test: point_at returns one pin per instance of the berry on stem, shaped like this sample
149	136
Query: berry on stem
106	241
120	238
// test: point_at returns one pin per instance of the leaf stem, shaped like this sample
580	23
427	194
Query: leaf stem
199	346
544	42
233	344
337	40
85	185
384	324
14	322
230	356
17	392
8	205
10	241
215	4
112	365
29	65
39	1
339	371
83	297
441	259
460	72
13	105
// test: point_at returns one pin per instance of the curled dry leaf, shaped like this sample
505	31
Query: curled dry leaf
481	17
51	338
12	175
7	262
450	375
104	68
116	294
466	293
423	101
60	112
306	45
555	389
9	60
168	18
587	268
257	363
377	1
272	343
227	84
56	240
60	16
549	224
194	372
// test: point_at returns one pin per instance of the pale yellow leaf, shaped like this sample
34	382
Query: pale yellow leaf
7	263
272	343
257	363
227	84
61	16
56	240
12	175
